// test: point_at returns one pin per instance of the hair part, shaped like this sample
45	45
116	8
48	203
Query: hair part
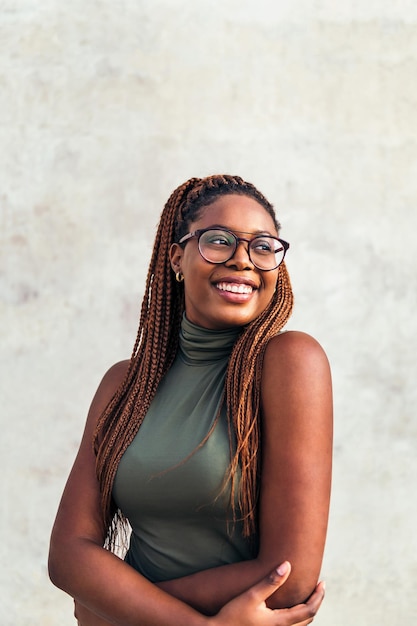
156	346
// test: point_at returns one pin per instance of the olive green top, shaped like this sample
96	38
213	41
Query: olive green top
169	490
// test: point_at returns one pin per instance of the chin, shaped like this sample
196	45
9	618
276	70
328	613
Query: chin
235	320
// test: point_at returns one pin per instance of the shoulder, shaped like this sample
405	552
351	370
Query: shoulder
295	347
108	386
296	385
115	375
295	356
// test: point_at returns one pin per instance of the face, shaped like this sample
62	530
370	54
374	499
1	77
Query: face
235	292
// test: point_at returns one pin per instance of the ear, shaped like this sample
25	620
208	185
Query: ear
175	256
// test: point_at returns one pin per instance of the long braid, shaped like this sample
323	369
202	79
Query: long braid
156	346
154	350
243	385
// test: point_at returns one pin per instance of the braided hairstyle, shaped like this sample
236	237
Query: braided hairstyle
156	347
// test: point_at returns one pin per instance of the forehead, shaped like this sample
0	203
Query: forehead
236	212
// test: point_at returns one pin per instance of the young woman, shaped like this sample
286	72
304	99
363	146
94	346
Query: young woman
214	440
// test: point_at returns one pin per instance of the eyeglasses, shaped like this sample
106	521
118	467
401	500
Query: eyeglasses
217	245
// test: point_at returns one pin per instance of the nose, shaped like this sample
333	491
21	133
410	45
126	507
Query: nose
241	259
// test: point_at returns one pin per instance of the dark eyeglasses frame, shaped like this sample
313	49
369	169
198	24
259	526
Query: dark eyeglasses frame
201	231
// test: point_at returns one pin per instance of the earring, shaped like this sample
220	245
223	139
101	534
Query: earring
179	277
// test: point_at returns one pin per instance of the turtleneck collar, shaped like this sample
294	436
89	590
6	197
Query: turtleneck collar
199	346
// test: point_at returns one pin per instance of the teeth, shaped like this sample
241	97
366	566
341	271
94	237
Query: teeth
234	288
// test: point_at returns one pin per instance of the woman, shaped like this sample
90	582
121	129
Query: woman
214	440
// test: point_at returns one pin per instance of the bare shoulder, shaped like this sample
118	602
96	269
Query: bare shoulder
108	386
295	363
294	348
114	377
296	393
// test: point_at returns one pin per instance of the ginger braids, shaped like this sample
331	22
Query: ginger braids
156	346
242	392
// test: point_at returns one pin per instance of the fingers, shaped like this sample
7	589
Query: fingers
316	598
280	575
302	614
268	585
249	608
299	613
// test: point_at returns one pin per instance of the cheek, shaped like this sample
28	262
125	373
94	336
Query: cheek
270	289
191	260
271	283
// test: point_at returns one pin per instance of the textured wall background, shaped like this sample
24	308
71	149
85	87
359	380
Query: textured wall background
105	107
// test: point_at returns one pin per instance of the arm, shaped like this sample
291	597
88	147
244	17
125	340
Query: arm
295	480
106	589
78	563
248	609
297	460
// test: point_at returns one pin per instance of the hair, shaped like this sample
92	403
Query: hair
156	346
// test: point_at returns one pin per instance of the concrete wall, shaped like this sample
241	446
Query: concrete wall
105	107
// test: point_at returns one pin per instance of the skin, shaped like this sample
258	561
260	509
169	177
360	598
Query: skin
295	480
205	304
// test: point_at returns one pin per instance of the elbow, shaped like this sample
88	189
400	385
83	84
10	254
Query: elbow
287	596
55	569
62	562
68	561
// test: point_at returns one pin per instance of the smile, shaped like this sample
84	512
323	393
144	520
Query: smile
234	287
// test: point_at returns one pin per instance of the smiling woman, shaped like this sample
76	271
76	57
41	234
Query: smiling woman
213	442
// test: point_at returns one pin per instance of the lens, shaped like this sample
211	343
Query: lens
266	252
217	246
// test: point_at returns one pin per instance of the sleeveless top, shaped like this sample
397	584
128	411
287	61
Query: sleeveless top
169	489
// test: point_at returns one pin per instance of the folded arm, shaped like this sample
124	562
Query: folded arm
295	480
295	485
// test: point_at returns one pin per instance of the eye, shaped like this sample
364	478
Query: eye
264	245
217	238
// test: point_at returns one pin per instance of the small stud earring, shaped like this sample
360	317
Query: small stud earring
179	277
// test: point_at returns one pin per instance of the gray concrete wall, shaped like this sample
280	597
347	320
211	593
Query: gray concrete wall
105	107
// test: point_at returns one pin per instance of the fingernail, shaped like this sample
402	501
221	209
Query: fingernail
283	568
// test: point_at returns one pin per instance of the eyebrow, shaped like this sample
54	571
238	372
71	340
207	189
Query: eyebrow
244	232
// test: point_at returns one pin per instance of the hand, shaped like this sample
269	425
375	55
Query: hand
249	609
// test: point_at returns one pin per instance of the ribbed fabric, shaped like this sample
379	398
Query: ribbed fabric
178	519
